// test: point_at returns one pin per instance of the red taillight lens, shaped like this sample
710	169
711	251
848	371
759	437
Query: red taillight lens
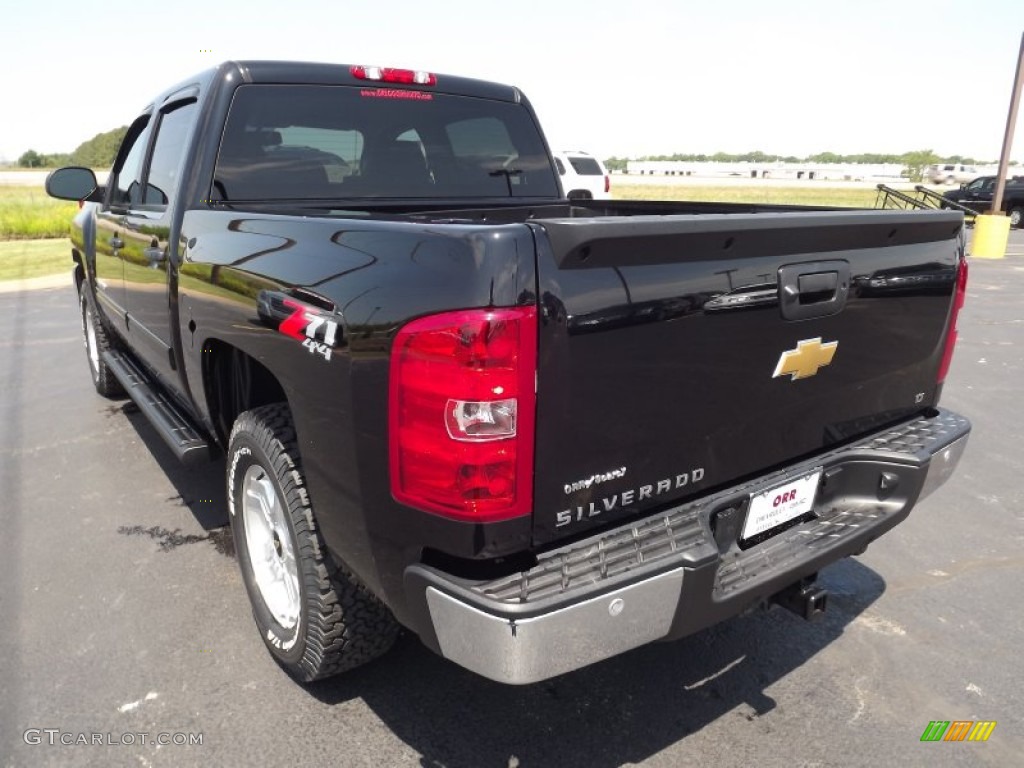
607	184
391	75
461	419
958	303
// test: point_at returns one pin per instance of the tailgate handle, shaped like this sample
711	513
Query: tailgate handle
813	289
817	287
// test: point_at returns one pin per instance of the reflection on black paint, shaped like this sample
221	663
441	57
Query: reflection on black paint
639	313
932	279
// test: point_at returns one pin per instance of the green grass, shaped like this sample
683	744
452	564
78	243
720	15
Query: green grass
20	259
28	213
848	198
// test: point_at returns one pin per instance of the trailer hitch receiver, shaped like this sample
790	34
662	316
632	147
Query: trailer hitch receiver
805	598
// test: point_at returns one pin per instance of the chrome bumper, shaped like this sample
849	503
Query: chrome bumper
521	629
942	465
522	651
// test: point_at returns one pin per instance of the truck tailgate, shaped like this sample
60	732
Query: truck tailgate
681	353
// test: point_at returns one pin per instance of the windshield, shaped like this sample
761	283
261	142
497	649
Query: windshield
306	142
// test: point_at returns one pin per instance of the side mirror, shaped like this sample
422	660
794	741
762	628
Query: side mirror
72	183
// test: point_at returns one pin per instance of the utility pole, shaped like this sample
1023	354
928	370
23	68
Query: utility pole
1011	124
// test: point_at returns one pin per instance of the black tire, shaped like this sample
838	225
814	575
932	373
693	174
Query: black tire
1016	217
340	624
96	343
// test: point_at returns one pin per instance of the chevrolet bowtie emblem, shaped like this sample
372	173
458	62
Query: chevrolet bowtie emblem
804	361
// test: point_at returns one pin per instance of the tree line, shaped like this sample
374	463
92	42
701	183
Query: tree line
97	152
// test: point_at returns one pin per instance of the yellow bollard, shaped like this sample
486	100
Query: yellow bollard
991	233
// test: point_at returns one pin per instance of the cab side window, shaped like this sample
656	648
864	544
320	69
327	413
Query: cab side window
168	154
127	188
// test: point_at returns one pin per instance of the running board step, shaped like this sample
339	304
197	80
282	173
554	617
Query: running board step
171	424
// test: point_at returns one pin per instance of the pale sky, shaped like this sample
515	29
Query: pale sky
613	78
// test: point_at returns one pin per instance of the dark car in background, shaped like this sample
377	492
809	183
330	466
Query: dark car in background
978	195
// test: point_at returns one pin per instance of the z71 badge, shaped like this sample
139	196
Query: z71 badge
309	328
317	331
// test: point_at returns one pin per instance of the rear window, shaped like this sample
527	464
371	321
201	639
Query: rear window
585	166
305	142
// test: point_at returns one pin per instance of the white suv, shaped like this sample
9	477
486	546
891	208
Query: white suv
583	176
951	173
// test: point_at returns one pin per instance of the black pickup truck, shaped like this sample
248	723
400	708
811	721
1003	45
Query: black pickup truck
979	193
536	432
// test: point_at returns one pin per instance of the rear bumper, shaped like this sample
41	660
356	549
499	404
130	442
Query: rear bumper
681	570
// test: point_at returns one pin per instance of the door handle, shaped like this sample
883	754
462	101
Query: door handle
116	242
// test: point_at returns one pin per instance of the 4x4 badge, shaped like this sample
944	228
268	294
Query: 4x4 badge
804	361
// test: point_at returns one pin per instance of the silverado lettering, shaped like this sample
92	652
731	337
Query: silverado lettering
644	492
487	338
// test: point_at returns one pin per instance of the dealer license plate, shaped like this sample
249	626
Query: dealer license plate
771	509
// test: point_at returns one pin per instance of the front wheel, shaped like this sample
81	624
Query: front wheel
97	341
315	618
1016	214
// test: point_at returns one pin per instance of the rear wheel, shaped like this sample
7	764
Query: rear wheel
97	341
315	617
1016	214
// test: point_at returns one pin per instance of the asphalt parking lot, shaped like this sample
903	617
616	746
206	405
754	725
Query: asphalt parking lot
122	611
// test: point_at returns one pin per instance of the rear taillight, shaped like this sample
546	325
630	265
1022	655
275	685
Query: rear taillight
461	419
607	184
958	303
391	75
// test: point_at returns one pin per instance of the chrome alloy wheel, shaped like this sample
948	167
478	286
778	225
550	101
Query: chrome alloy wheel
270	547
